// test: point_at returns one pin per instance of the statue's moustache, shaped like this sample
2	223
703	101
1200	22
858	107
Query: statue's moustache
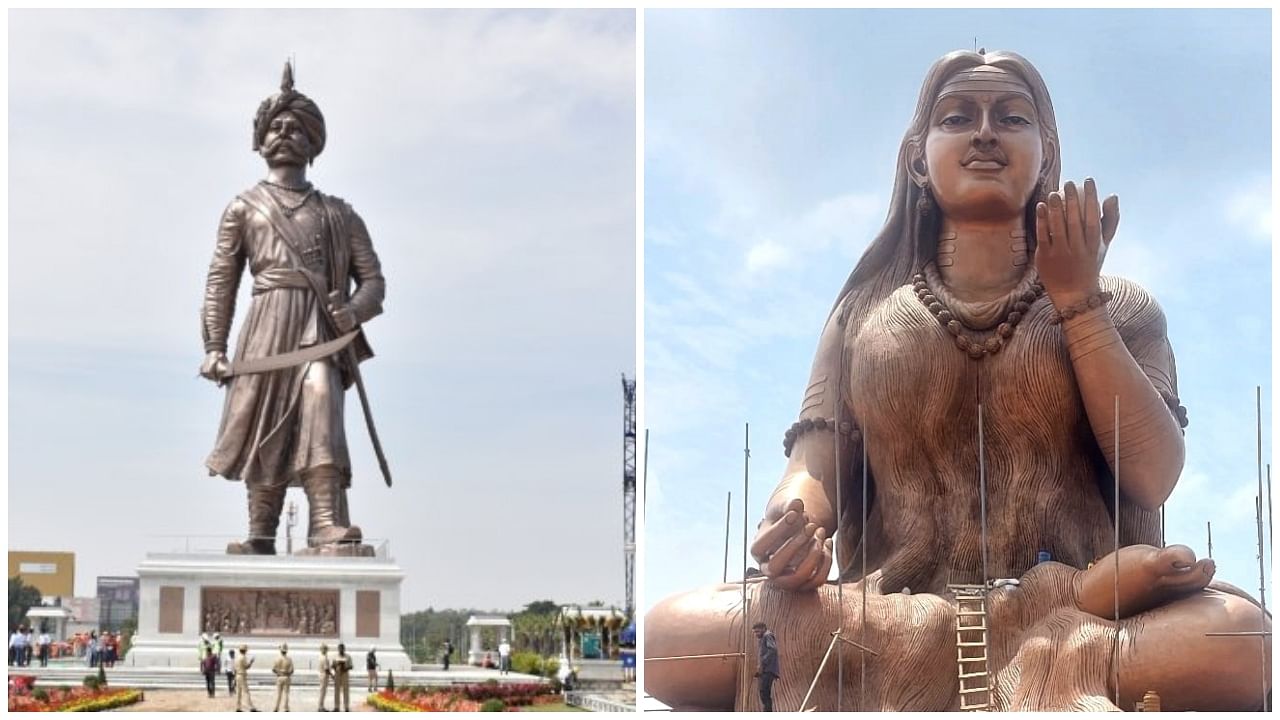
285	142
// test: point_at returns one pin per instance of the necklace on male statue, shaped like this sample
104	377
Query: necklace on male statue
307	191
1017	304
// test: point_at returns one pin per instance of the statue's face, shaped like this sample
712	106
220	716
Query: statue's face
983	152
286	142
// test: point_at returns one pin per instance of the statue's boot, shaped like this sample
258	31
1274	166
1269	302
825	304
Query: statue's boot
324	496
265	504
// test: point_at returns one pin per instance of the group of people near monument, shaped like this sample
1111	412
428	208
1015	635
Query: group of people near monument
23	645
334	669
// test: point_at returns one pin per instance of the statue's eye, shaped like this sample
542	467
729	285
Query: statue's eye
1015	120
954	120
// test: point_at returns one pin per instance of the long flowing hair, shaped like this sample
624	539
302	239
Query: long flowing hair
909	239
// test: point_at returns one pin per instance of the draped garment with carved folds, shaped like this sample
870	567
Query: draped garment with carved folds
275	425
915	398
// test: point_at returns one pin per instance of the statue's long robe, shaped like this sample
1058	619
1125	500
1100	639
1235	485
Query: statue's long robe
278	424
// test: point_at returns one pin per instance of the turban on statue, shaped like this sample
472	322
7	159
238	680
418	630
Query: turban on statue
307	112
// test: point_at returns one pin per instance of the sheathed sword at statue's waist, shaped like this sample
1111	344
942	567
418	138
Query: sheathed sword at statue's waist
282	361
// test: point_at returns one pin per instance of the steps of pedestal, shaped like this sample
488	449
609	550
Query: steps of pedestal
179	678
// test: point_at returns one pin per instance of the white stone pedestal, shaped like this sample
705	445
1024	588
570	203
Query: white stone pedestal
362	594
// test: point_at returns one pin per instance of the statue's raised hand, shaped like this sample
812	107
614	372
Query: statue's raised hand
794	553
1072	237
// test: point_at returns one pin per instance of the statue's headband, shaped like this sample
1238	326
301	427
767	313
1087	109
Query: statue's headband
985	78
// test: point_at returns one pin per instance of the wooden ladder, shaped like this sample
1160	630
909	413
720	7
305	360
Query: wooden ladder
971	646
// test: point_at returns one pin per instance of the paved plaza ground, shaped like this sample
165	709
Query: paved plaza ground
199	701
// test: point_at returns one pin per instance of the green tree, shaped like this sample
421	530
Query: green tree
22	597
543	607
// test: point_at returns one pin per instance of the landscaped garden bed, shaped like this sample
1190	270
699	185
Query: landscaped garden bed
464	698
25	697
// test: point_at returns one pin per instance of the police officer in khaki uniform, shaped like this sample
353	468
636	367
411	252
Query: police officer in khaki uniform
326	671
243	663
342	665
284	676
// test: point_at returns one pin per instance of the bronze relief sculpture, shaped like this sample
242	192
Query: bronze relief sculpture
316	280
979	393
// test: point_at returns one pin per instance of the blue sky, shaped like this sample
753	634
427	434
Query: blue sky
492	155
770	143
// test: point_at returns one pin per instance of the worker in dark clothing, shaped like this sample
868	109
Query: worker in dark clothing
769	669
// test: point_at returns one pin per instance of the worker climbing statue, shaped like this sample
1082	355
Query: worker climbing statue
980	394
316	281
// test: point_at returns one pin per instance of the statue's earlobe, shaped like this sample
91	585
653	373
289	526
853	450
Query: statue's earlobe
916	167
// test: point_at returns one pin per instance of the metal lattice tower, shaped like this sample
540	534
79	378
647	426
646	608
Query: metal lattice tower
629	489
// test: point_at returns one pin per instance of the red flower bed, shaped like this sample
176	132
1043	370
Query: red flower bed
461	698
408	701
511	694
73	699
21	684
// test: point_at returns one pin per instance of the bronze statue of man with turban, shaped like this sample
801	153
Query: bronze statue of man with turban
316	280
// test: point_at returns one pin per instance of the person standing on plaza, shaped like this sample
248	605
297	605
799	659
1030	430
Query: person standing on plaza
326	672
242	665
44	649
504	656
20	650
371	664
342	665
209	668
284	676
448	653
769	668
231	671
113	649
203	645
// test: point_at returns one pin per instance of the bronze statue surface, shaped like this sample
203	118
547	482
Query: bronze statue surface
985	368
316	281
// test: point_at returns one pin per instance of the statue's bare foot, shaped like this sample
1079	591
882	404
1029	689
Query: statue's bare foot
252	547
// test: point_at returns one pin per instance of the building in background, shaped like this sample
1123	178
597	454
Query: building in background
84	615
52	573
117	602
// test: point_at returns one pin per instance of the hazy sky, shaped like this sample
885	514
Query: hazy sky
770	147
492	155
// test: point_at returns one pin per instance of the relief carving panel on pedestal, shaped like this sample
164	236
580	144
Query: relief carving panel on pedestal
268	611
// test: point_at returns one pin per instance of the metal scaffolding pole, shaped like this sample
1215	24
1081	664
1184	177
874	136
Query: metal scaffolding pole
1115	645
1262	575
982	493
839	584
862	633
1209	527
746	475
727	509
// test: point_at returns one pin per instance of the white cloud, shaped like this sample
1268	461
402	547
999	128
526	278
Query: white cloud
1249	210
766	256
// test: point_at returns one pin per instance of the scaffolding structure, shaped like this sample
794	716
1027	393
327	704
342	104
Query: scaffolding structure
629	491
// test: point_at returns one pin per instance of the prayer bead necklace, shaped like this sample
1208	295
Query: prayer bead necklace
1004	331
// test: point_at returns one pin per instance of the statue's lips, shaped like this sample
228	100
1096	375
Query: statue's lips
984	165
